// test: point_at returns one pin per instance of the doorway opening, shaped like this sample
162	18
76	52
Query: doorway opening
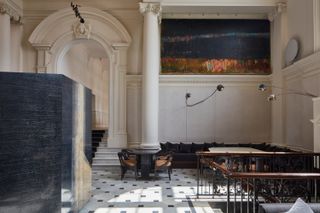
86	62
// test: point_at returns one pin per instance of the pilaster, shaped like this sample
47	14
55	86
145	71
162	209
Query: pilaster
118	95
5	42
43	57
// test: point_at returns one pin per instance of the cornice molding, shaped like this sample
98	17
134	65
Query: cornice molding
265	3
209	80
305	67
212	16
12	9
134	81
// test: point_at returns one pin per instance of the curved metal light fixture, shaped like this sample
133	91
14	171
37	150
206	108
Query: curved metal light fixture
273	97
219	88
76	12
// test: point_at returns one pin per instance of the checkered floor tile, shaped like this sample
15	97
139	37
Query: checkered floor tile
157	195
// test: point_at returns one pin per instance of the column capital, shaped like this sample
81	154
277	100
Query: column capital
155	8
12	9
281	6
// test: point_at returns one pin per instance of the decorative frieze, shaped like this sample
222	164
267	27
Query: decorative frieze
15	16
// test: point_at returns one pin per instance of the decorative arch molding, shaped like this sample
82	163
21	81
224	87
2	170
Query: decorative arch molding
52	40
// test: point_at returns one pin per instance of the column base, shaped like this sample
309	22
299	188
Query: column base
150	146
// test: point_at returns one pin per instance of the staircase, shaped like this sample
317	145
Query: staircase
97	135
103	157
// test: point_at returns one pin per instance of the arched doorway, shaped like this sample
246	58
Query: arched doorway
52	40
86	62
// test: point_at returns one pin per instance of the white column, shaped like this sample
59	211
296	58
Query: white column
5	42
150	81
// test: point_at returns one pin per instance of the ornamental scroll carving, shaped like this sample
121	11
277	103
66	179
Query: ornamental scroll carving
82	30
14	15
151	7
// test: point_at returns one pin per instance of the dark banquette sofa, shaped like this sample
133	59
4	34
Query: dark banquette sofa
184	154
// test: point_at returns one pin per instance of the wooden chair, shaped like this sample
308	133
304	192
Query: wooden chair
127	163
163	162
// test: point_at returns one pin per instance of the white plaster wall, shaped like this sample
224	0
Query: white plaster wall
238	114
79	65
300	24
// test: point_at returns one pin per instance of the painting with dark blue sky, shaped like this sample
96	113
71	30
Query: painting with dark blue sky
215	46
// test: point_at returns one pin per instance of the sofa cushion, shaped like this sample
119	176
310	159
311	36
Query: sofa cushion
300	207
283	207
208	145
197	147
172	147
185	148
184	157
163	147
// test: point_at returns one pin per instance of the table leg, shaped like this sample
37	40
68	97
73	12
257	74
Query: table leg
146	161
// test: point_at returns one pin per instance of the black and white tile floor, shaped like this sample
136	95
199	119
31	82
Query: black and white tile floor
158	195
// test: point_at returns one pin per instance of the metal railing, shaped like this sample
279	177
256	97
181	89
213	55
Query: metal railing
255	177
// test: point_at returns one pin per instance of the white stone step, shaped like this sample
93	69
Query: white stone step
99	167
106	155
104	145
112	150
111	163
106	161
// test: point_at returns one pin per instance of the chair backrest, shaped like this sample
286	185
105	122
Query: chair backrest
163	161
125	161
167	157
121	157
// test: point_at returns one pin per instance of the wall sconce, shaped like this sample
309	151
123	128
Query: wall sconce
273	97
219	88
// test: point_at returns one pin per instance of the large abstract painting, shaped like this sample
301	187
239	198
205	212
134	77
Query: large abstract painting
215	46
